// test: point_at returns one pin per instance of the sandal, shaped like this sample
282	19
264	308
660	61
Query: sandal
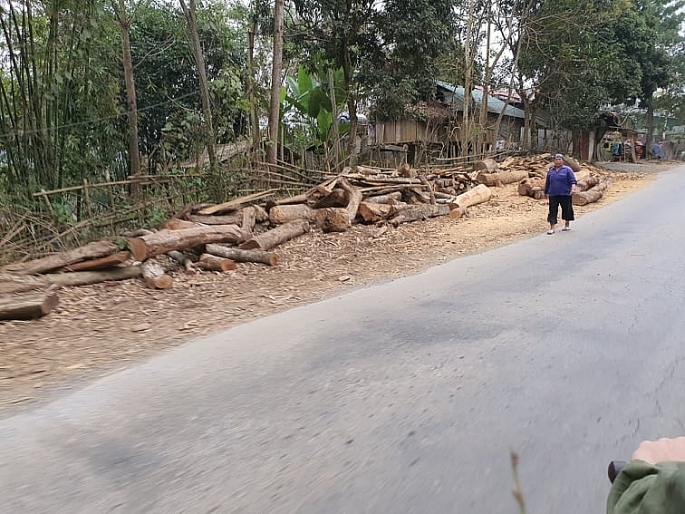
566	229
550	232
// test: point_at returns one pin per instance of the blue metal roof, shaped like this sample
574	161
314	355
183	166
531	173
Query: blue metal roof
495	105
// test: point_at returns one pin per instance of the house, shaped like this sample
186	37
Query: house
434	129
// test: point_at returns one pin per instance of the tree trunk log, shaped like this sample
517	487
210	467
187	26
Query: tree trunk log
155	276
184	261
333	219
25	306
420	212
354	198
109	261
177	224
533	187
280	214
504	177
588	183
572	163
249	219
164	241
374	212
209	262
389	199
237	203
231	219
93	250
276	236
238	255
479	194
337	198
590	196
84	278
487	165
457	212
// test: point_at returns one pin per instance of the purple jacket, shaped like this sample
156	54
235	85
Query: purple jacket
559	183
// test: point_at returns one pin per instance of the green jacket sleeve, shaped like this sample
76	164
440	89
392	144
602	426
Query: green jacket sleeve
642	488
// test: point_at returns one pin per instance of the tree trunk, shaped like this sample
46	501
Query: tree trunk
85	278
231	219
420	212
210	262
236	203
333	219
588	183
533	187
354	198
109	261
281	214
93	250
590	196
276	236
238	255
504	177
177	224
204	88
389	199
373	212
155	276
478	194
248	219
164	241
277	67
184	261
572	163
26	306
131	102
337	198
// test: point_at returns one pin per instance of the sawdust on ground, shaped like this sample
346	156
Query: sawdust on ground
102	328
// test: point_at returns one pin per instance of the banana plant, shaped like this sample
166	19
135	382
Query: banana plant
311	98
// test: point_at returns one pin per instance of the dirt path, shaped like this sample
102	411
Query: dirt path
100	329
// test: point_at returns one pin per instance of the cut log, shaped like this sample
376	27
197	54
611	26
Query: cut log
93	250
177	224
210	262
337	198
249	219
420	212
229	219
26	306
588	183
591	195
373	212
533	187
155	276
354	198
261	215
333	219
457	212
487	165
237	203
303	198
572	163
164	241
84	278
276	236
390	198
479	194
238	255
184	261
109	261
280	214
504	177
428	186
366	170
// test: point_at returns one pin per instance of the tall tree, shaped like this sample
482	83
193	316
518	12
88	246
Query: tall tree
276	71
190	13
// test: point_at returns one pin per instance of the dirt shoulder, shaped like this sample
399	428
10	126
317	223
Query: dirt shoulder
106	327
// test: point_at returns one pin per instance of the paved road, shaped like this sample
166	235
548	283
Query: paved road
401	398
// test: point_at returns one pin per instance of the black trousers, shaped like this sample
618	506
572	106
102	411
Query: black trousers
566	208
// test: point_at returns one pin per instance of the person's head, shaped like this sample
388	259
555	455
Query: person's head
558	159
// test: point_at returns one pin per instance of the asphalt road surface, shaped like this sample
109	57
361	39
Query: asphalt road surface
402	398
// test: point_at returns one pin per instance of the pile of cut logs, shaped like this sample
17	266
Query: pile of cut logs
247	229
590	188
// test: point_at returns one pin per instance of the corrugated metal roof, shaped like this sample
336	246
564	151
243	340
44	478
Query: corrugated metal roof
495	105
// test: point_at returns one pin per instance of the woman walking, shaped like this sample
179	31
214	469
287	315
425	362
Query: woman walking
559	186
